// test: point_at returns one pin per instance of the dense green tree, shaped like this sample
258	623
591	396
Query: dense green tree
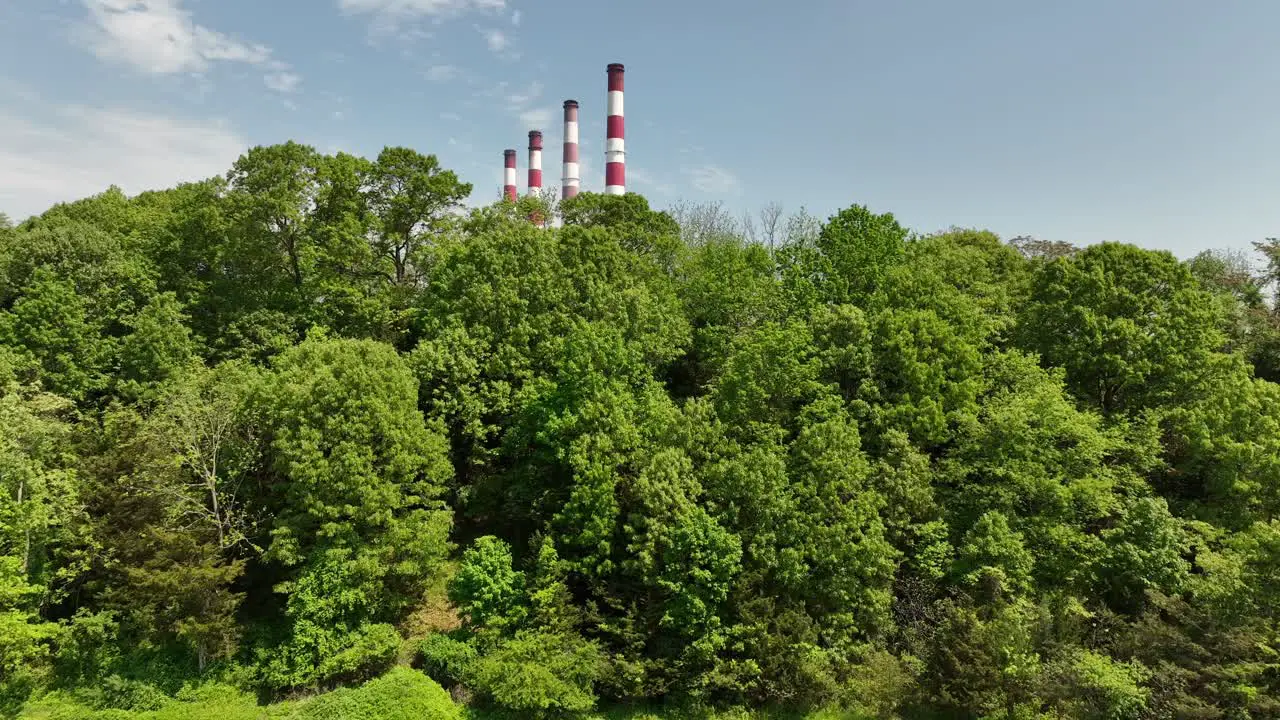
411	196
727	288
40	515
356	529
539	675
848	261
501	310
272	189
158	347
487	590
168	504
1251	325
1130	327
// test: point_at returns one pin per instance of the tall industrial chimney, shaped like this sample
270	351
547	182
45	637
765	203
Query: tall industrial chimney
535	171
570	179
535	161
615	150
509	175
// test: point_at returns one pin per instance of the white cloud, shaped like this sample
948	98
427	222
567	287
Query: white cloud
77	151
538	118
496	40
521	99
590	164
641	178
462	145
450	116
521	105
515	17
388	14
442	73
159	37
590	175
284	82
713	179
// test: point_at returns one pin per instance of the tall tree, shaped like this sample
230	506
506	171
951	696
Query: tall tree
412	196
357	531
1131	327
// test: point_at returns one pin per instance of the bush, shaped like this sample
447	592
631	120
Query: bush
204	702
880	684
1090	686
321	655
401	694
127	694
539	674
445	659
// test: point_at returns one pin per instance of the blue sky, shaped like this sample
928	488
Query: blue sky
1147	121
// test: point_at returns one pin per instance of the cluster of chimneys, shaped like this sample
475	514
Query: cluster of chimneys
615	151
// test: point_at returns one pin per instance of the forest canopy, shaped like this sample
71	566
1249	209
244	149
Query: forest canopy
314	424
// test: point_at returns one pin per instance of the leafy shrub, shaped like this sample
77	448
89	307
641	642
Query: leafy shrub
879	684
445	659
539	674
1091	686
318	655
486	589
127	694
207	702
401	694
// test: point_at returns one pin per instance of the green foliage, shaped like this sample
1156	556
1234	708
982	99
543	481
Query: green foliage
410	196
1091	686
356	528
994	559
539	675
727	288
445	659
277	433
1130	327
641	230
158	348
485	589
985	662
848	261
401	694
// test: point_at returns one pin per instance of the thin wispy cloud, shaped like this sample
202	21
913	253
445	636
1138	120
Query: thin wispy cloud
461	145
537	118
642	178
495	39
523	105
392	15
515	17
713	179
522	98
442	73
76	151
160	37
283	82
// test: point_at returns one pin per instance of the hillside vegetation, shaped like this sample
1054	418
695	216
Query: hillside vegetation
308	441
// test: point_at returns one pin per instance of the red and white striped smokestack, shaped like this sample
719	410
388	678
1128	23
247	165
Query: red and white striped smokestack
570	179
615	149
509	175
535	161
